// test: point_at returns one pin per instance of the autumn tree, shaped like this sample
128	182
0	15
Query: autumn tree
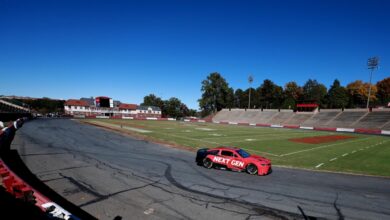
383	94
292	93
358	93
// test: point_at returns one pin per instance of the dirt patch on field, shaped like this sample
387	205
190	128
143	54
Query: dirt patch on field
320	139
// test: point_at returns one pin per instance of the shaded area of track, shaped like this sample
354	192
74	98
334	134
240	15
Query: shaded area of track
110	174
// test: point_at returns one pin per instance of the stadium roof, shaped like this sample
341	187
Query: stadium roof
128	106
308	105
75	102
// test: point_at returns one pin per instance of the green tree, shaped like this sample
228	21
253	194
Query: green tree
215	93
175	108
239	98
153	100
230	98
270	95
383	93
314	92
337	95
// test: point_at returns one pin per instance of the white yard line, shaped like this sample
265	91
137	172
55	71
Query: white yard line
324	146
192	139
346	154
259	139
319	165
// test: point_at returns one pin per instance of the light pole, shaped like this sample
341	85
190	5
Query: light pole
250	80
372	64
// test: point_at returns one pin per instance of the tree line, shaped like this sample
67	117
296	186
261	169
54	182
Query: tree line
216	94
172	107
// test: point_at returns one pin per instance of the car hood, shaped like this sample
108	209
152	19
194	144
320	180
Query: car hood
259	158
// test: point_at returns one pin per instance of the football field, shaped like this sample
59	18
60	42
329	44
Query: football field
316	150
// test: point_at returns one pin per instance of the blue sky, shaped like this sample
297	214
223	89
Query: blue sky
128	49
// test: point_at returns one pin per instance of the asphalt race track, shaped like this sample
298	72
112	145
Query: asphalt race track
110	174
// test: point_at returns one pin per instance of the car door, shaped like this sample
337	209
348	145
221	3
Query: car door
227	156
237	162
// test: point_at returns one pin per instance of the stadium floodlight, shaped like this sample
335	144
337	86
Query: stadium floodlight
250	80
372	64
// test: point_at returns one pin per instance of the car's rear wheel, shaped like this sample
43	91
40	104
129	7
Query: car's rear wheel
207	163
251	169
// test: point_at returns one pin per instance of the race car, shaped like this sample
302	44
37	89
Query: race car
232	158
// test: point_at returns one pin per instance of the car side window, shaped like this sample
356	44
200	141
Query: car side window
214	152
227	153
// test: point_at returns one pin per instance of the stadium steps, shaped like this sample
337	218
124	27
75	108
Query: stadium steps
298	119
357	121
281	117
345	119
375	120
320	118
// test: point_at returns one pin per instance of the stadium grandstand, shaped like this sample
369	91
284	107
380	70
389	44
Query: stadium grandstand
11	110
326	118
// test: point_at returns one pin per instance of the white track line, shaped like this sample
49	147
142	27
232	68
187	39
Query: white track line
262	152
329	145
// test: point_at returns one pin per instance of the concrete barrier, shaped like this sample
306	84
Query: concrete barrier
306	128
368	131
291	126
345	129
325	129
385	132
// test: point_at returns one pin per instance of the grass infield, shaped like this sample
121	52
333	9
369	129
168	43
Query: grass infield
362	154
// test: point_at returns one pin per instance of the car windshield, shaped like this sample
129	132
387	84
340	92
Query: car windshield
243	153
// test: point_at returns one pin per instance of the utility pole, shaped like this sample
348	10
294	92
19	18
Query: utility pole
250	80
372	64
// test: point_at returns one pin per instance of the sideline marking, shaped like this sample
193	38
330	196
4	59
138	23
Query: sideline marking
319	165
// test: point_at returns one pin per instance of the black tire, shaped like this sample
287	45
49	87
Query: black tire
251	169
207	163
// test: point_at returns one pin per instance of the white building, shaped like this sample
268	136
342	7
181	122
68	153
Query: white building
75	107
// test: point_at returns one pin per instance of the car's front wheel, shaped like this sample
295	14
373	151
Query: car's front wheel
251	169
207	163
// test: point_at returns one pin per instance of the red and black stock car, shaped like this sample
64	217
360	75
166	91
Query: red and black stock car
233	159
